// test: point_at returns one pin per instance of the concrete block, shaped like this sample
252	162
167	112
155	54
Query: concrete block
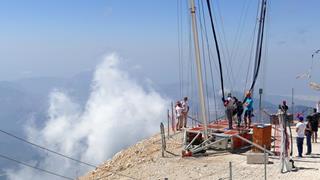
256	158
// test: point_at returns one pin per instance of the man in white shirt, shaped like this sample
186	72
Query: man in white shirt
300	129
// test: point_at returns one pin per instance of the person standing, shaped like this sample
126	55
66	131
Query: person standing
300	128
314	125
239	110
185	110
179	115
229	105
284	107
308	133
248	104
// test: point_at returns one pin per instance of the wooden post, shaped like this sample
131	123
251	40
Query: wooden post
173	125
230	170
163	139
260	105
168	113
292	103
274	135
265	163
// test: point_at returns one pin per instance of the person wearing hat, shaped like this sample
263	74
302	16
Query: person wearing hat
300	129
229	105
248	104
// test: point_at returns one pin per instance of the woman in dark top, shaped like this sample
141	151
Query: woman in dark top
308	133
238	110
314	125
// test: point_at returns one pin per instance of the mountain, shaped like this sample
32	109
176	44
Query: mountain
26	99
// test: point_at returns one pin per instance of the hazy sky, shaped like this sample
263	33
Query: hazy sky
62	38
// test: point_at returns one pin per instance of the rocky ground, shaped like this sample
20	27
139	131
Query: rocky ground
143	161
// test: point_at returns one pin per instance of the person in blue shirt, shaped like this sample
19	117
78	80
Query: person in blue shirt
248	109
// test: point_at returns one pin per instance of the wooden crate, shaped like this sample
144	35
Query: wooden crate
262	136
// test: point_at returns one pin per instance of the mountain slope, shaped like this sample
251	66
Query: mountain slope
143	161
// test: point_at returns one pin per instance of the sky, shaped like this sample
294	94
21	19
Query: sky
62	38
41	38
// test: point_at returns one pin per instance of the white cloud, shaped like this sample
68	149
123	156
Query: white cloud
118	113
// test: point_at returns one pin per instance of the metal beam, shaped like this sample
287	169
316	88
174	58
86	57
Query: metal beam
199	68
